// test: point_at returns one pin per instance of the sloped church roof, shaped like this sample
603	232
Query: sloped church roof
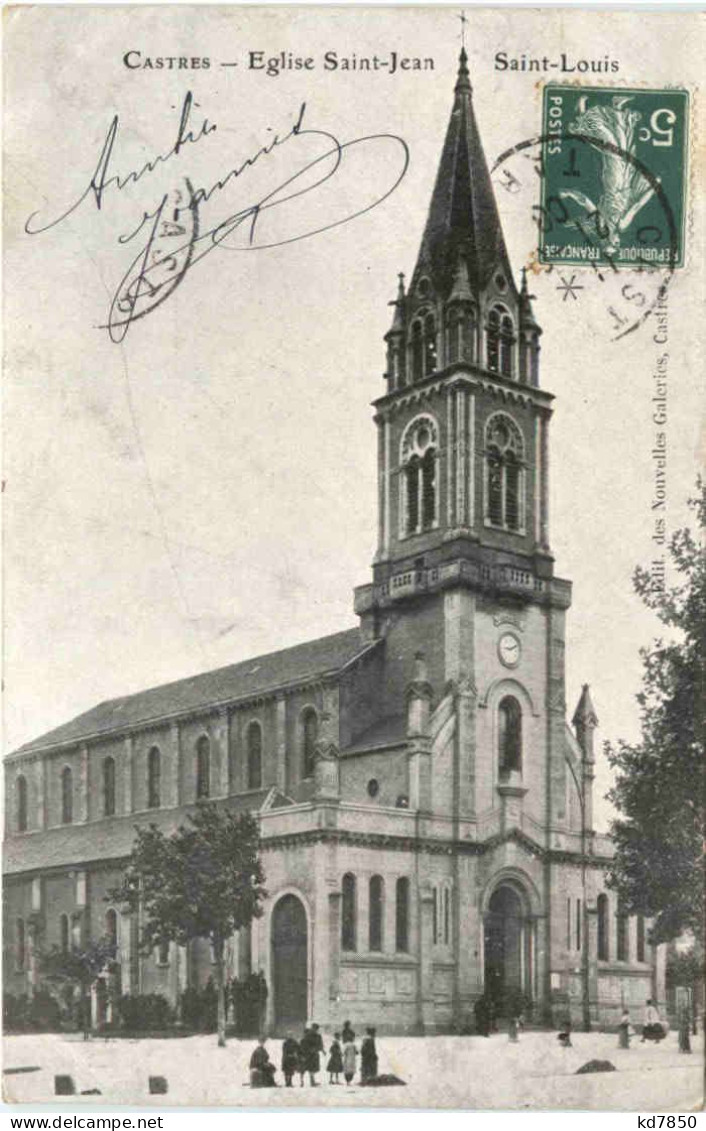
258	675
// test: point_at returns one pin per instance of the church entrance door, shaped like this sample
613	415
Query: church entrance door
289	963
508	942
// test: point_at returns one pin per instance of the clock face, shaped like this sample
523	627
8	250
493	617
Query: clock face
509	650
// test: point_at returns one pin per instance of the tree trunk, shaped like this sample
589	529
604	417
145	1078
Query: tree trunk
220	1005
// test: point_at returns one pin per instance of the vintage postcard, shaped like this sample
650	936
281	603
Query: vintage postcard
353	366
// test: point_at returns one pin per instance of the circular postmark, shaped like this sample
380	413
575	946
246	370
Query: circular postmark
626	293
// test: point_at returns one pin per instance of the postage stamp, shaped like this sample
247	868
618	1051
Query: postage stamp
615	176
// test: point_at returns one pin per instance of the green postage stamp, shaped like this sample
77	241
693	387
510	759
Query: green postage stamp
614	176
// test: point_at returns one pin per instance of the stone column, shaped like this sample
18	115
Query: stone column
426	1020
222	735
281	742
591	940
82	798
382	476
334	948
471	460
128	799
387	491
544	496
450	446
40	784
461	442
173	790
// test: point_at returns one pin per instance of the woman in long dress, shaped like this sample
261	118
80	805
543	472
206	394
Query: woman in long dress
350	1054
368	1057
624	1030
652	1030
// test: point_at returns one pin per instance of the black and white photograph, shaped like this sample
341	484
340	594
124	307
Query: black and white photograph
354	590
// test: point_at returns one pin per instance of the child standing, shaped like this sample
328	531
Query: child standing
335	1060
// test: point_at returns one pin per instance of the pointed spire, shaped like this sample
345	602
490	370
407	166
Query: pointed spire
397	326
463	80
585	713
526	313
463	216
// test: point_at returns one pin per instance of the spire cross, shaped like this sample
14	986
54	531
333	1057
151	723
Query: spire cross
464	21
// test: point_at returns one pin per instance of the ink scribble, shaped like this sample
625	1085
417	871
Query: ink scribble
182	226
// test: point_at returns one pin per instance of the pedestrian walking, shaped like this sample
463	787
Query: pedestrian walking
335	1060
513	1028
347	1033
290	1059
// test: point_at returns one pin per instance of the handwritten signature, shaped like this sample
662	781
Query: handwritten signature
174	235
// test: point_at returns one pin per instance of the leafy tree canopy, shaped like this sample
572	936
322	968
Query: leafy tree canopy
203	881
80	964
659	784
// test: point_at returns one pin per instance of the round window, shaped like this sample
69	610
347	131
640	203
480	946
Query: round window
373	787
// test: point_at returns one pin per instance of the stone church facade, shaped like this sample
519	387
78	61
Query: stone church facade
425	809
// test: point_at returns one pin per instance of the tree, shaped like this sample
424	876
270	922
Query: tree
203	881
79	966
659	788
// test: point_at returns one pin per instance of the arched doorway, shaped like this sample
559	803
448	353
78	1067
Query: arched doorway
289	963
507	947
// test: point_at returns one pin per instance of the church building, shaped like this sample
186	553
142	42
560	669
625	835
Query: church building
425	807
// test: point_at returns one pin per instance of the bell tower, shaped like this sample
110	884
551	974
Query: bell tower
463	423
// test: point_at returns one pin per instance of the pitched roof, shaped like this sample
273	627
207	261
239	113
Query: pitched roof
391	731
112	838
258	675
463	216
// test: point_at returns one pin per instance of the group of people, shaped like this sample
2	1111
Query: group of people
303	1057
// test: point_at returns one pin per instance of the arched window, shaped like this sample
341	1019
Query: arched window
163	953
506	341
111	926
402	914
499	339
418	486
375	913
310	733
348	912
509	735
21	803
603	950
67	796
254	745
64	933
430	352
417	351
454	335
154	778
641	938
108	787
492	340
504	453
20	944
203	768
621	945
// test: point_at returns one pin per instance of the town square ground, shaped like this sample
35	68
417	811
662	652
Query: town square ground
439	1072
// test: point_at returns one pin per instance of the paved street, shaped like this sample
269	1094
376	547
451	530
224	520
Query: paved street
465	1072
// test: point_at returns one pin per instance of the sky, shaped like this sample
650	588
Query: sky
204	490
